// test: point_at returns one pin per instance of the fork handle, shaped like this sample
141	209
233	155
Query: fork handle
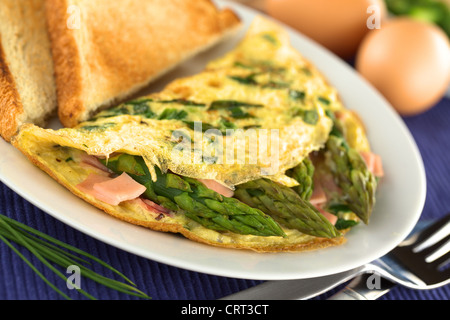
363	287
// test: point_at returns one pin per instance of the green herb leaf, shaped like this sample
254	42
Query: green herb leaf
297	95
242	65
342	224
276	85
183	102
238	113
228	104
308	116
248	80
324	100
204	126
173	114
101	127
225	125
270	38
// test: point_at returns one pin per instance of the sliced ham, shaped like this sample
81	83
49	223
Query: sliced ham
318	196
374	163
327	183
155	207
88	160
369	159
120	189
111	190
157	211
217	187
329	216
378	170
87	186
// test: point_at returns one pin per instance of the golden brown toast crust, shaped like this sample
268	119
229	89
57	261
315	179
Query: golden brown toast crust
66	59
27	88
114	55
10	105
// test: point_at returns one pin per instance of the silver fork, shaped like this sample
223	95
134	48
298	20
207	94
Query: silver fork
417	263
408	265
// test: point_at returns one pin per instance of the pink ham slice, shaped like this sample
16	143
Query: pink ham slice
374	163
120	189
112	190
378	170
318	196
87	186
92	161
217	187
155	209
329	216
327	183
319	199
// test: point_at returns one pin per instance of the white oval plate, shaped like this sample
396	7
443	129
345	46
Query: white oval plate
400	198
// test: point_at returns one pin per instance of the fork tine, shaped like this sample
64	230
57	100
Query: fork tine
431	249
442	261
425	234
413	257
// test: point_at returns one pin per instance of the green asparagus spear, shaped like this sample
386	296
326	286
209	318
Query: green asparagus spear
352	176
286	207
199	203
303	173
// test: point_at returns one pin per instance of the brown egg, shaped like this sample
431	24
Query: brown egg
338	25
408	61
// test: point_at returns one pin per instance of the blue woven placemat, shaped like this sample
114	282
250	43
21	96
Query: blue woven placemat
431	131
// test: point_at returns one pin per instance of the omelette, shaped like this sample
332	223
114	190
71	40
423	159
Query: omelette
256	152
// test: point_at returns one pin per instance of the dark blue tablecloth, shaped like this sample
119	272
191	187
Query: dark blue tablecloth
162	282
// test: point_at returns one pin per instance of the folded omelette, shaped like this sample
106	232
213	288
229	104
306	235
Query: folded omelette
256	152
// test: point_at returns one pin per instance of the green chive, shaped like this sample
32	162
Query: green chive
47	250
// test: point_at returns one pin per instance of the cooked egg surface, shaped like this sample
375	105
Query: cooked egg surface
339	26
408	61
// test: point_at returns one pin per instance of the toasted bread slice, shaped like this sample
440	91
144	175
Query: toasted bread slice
27	86
105	51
